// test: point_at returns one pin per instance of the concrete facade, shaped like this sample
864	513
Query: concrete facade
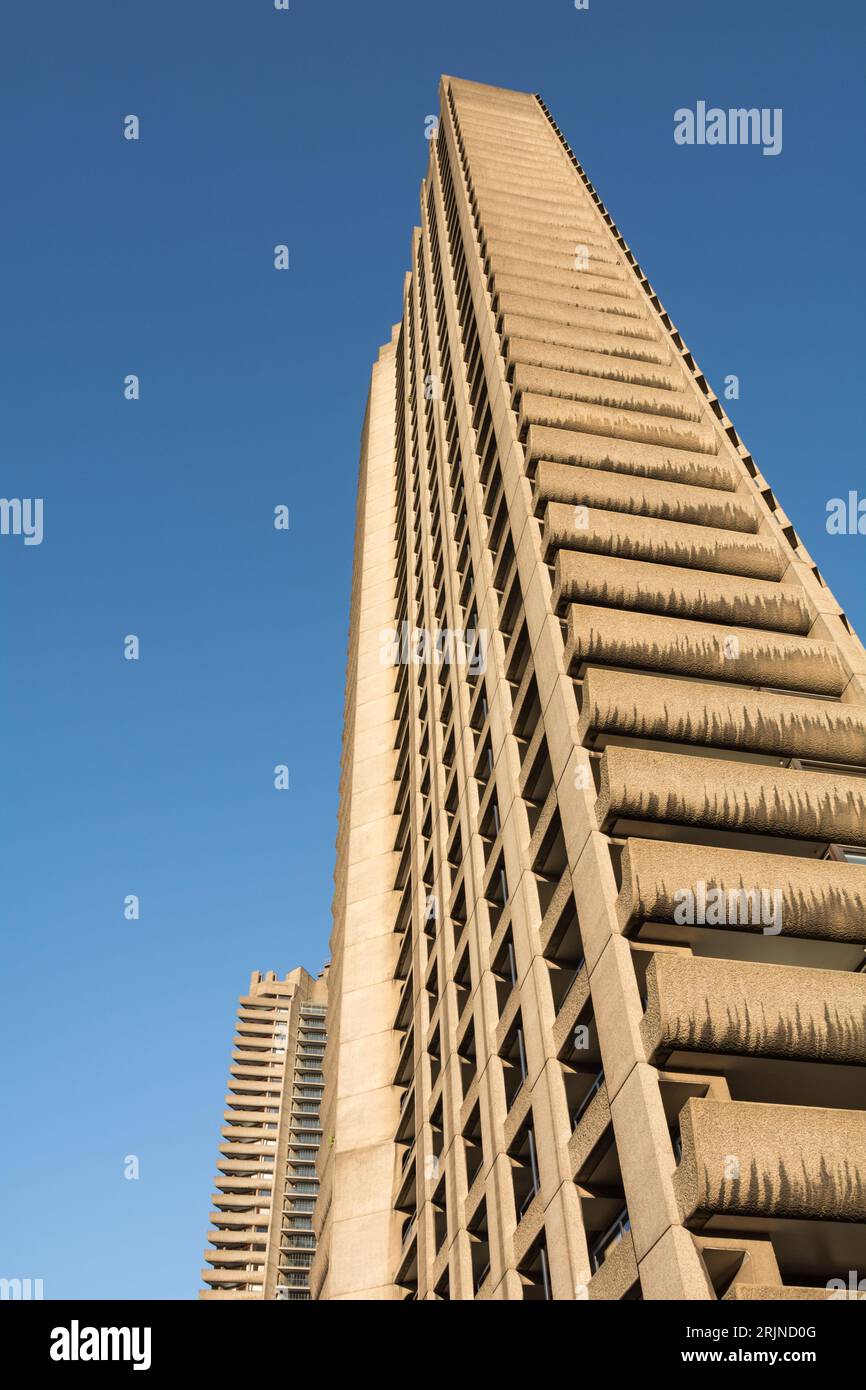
597	1002
262	1242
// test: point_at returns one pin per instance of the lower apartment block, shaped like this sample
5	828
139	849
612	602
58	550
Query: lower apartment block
261	1243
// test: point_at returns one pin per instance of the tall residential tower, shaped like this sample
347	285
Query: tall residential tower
262	1240
596	1002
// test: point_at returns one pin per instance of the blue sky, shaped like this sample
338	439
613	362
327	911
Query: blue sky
156	777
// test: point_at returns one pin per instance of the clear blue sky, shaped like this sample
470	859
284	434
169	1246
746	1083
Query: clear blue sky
155	777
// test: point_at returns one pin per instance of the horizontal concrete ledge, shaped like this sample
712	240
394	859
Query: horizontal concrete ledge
590	450
635	425
706	1005
595	274
779	1161
691	711
617	302
732	654
545	310
640	784
674	592
820	898
710	549
649	497
590	339
603	368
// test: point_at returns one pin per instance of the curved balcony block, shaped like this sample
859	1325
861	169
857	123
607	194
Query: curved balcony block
625	456
587	296
536	409
530	306
816	898
513	249
569	226
604	278
564	335
220	1295
510	248
615	492
619	638
776	1161
638	784
684	711
660	542
604	366
679	593
695	1003
571	385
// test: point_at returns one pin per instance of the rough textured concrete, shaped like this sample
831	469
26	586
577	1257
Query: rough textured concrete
543	452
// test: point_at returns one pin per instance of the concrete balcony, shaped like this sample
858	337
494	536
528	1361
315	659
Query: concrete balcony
568	384
586	295
249	1027
247	1134
595	364
616	637
543	215
225	1278
633	425
245	1111
225	1259
243	1186
727	794
246	1167
698	1004
238	1221
679	502
675	591
669	887
512	252
529	306
243	1238
747	1270
676	543
524	328
545	442
714	715
226	1295
247	1090
241	1204
249	1055
755	1163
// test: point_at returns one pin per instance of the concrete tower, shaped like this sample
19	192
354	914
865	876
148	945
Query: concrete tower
597	1007
262	1240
